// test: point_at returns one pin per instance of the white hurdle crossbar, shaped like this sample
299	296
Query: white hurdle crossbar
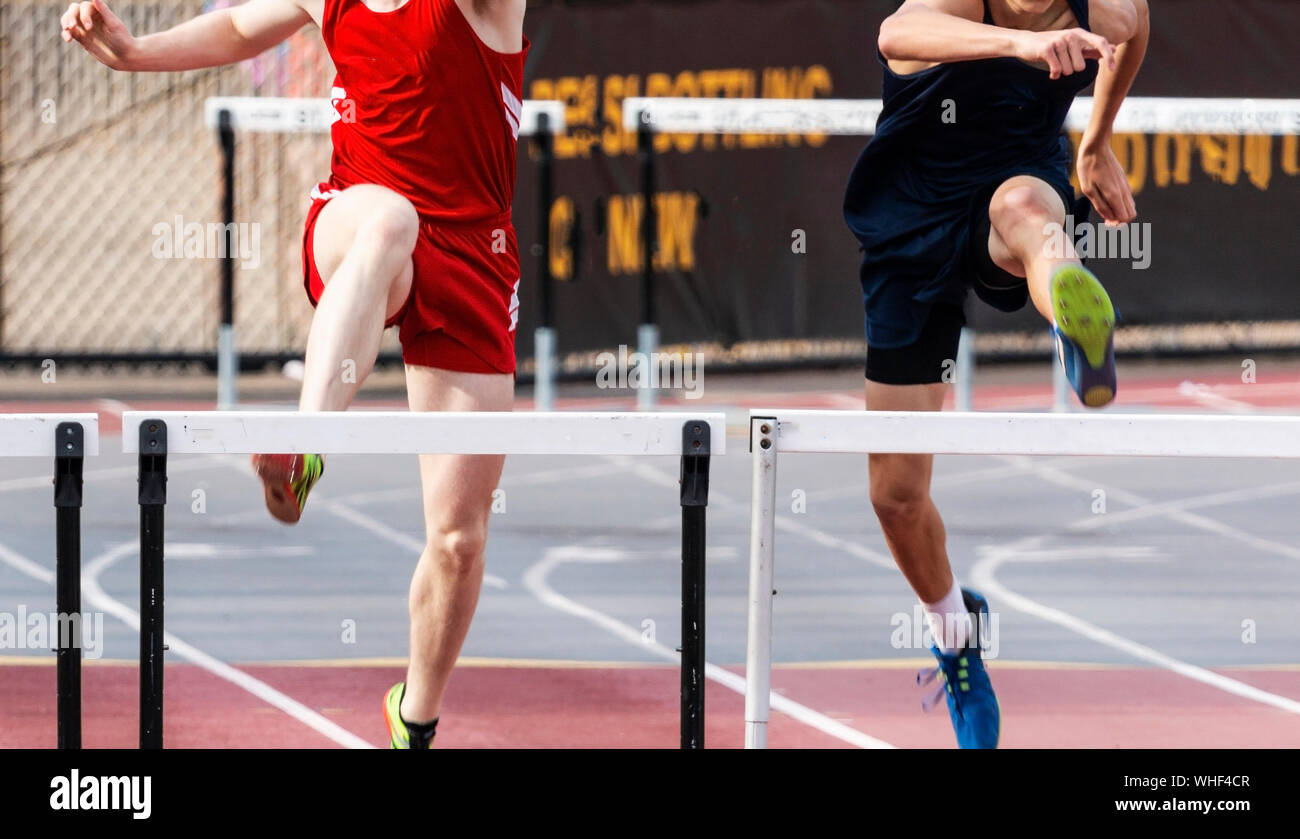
33	435
299	115
407	432
69	439
691	437
864	432
1138	115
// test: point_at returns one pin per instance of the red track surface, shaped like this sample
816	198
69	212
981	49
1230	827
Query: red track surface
636	707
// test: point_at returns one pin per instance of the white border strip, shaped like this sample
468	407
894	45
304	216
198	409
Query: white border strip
32	435
405	432
1118	435
300	115
1177	115
752	116
1138	115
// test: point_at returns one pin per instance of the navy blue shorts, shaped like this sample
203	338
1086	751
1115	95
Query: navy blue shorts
925	360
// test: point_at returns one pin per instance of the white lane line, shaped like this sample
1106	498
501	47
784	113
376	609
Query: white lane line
375	526
969	476
207	550
113	406
728	504
1165	508
984	577
94	596
535	580
793	526
547	476
843	402
26	566
397	537
1059	477
1206	395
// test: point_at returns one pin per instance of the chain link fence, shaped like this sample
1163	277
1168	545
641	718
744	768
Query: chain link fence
110	196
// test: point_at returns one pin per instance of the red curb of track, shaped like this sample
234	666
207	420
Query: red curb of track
636	707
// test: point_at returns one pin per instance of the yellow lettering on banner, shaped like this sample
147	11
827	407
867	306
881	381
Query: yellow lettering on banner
1220	156
1257	159
1180	172
582	94
816	82
624	234
542	89
677	213
614	138
1223	158
560	227
1291	154
578	93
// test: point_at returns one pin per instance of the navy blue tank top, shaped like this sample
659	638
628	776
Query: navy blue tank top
945	136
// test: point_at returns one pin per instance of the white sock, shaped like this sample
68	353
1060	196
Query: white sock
950	625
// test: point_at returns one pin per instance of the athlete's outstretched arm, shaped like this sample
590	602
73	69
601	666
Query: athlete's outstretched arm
224	36
945	31
1100	175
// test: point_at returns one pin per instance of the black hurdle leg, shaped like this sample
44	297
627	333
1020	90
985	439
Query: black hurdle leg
694	501
153	498
69	457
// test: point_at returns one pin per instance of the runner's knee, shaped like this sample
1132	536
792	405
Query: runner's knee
1023	207
390	229
900	492
459	550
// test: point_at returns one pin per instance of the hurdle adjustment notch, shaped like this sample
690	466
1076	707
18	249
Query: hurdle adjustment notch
694	502
152	499
69	458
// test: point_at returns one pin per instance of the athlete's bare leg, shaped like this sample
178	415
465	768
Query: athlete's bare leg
1026	215
1026	239
363	241
457	505
900	494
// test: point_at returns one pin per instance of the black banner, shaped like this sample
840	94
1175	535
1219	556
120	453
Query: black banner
731	210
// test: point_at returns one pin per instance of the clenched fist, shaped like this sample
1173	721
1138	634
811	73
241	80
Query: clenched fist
1065	51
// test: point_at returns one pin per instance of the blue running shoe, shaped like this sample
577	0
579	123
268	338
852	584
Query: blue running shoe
1085	334
973	706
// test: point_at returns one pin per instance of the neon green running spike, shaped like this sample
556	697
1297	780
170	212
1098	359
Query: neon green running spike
1085	334
287	479
399	736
